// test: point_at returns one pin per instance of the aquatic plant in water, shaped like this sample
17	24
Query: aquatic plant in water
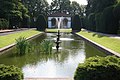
46	46
22	45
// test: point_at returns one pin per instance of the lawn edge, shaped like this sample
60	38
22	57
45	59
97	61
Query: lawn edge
98	46
13	44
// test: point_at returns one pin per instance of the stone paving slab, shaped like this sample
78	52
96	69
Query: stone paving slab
11	31
3	31
48	79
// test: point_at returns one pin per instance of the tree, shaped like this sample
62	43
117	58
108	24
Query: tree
36	7
75	8
13	11
60	6
98	5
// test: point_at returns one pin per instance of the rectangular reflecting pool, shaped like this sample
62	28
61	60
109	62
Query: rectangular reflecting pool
56	64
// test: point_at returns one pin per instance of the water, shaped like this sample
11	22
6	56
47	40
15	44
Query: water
57	64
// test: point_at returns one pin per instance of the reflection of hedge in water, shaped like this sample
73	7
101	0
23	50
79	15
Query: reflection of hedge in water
92	51
33	58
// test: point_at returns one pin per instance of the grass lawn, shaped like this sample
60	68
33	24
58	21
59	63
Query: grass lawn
108	42
61	30
10	39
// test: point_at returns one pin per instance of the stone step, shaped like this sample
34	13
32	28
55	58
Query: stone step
48	79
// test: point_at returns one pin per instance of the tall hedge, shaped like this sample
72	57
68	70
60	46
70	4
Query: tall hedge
86	23
91	21
111	22
10	73
41	23
4	24
76	23
99	68
116	11
100	23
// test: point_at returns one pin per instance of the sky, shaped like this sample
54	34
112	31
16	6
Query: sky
84	2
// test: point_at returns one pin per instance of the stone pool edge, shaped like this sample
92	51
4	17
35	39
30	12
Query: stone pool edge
11	45
98	46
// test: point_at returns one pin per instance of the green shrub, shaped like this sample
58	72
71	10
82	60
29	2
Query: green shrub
4	24
22	45
111	23
97	20
99	68
41	23
116	11
10	73
25	22
100	22
86	23
91	20
76	23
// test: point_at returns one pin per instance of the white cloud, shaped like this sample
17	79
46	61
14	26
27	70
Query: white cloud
84	2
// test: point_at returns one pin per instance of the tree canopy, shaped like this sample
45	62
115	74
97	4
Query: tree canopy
106	16
13	9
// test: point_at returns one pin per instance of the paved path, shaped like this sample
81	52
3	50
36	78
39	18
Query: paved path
109	35
12	31
48	79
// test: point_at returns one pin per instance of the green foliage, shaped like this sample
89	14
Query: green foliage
75	8
22	45
76	23
99	68
111	23
100	22
4	24
60	6
85	23
46	46
91	21
10	73
13	10
41	23
36	7
106	15
96	6
116	11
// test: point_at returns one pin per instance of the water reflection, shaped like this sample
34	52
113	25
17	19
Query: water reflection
56	64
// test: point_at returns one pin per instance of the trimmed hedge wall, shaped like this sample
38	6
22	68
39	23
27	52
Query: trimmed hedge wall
10	73
100	23
41	23
4	24
116	11
76	23
99	68
111	22
91	19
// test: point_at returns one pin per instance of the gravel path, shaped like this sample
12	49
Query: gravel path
7	32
